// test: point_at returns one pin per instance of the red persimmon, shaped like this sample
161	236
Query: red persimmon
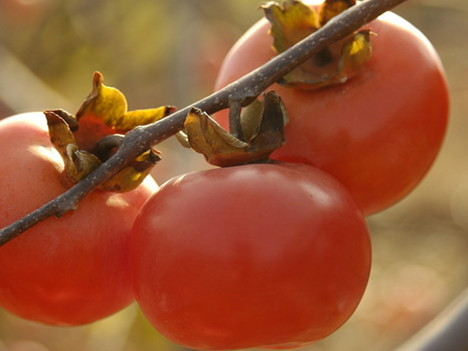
65	271
272	255
379	132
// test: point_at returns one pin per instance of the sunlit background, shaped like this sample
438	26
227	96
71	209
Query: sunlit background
168	52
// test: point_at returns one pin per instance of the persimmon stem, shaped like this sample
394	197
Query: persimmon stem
244	91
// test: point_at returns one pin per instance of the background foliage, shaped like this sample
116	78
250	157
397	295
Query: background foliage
168	52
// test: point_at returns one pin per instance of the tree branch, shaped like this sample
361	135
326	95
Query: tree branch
244	90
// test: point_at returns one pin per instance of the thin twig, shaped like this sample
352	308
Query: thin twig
245	90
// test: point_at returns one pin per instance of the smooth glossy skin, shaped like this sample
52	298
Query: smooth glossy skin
249	256
65	271
380	132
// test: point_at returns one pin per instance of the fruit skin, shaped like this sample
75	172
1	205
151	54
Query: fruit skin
66	271
378	133
248	256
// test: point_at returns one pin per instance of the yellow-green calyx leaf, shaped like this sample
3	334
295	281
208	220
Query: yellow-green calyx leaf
110	106
79	163
107	103
135	118
95	132
331	8
292	21
104	112
357	50
132	176
263	134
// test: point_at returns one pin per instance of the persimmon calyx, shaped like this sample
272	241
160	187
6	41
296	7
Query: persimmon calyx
93	134
262	123
132	176
78	162
331	8
105	112
292	21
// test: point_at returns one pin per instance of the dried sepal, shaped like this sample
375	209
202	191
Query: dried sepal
251	119
182	138
270	133
252	115
133	175
293	20
135	118
290	21
330	8
107	103
60	133
77	163
104	112
95	133
207	137
67	117
357	50
221	148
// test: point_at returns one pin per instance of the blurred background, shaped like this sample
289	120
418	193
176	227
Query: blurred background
168	52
